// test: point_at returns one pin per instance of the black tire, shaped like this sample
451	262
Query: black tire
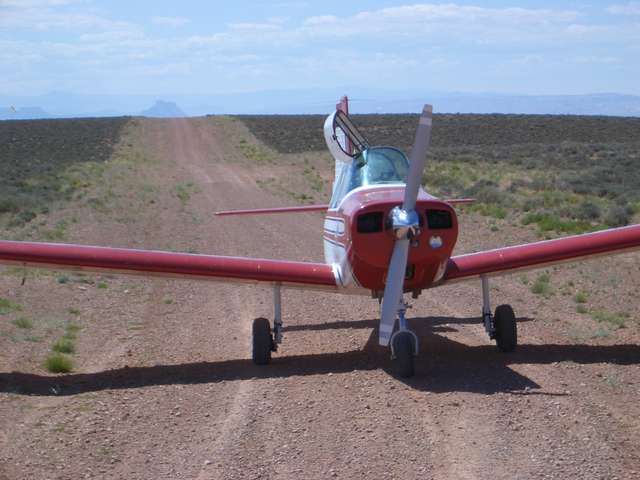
404	359
262	341
506	327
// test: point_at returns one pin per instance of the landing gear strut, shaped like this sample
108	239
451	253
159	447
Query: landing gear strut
501	327
264	339
404	344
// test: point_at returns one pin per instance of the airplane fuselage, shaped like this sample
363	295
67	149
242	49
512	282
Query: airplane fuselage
358	238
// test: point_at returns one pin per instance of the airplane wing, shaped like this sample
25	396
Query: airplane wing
158	263
258	211
315	208
535	255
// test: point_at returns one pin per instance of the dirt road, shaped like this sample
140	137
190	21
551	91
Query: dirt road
165	387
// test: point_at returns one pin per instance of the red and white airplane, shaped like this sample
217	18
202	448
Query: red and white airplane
384	236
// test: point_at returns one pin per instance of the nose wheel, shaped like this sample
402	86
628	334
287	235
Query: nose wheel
404	345
403	352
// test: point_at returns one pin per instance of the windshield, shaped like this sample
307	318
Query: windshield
374	166
379	165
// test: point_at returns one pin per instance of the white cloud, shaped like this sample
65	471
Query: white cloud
173	22
467	13
111	36
458	22
321	20
388	44
631	8
254	27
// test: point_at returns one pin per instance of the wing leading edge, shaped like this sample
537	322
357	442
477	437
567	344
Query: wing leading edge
539	254
314	208
172	264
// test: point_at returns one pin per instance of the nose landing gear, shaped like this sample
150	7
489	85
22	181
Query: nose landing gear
404	345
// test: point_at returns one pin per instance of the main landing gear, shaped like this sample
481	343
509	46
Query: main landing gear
501	326
264	339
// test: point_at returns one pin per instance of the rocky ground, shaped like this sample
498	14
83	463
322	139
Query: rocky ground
163	385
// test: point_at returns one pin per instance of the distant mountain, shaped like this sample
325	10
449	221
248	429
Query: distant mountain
162	109
596	104
25	113
317	100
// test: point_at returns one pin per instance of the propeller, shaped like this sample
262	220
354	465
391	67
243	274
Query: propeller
406	225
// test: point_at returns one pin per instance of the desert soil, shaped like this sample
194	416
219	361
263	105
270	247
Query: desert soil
163	386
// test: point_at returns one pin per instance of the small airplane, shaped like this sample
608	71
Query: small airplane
384	236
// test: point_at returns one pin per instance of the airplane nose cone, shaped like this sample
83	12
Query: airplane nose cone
405	224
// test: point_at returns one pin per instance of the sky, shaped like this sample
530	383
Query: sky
206	47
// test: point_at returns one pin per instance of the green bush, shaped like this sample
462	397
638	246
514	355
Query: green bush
71	330
8	205
618	320
588	211
64	345
542	285
547	222
487	191
7	306
23	322
618	216
580	297
58	363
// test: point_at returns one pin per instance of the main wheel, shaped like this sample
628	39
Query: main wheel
506	327
262	341
403	350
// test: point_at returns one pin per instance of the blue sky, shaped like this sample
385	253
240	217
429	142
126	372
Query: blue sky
157	47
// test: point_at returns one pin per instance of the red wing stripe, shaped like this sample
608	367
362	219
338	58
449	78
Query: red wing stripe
616	240
257	211
166	263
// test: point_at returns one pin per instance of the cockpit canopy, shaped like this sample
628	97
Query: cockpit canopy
374	166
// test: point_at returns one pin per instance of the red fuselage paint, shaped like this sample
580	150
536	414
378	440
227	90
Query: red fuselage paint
369	253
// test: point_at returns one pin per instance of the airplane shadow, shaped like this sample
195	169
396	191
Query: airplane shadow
441	324
443	365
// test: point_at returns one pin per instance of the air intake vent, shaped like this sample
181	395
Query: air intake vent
439	219
370	222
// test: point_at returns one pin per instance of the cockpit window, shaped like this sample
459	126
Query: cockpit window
379	165
374	166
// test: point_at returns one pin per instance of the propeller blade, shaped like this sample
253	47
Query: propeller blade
394	287
418	159
393	290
